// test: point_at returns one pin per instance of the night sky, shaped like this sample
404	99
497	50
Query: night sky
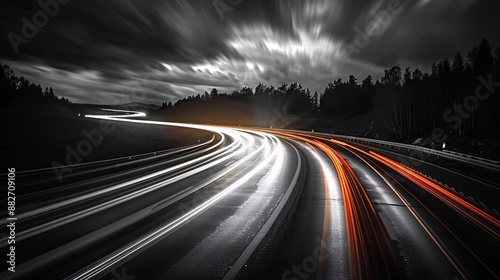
110	52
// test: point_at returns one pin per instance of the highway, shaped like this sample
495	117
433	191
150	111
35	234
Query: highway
254	203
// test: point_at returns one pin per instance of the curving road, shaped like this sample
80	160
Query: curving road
254	203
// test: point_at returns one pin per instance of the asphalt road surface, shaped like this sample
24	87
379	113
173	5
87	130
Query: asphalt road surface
256	204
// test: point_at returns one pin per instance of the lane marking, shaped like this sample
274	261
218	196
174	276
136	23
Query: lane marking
417	217
145	242
437	166
238	265
326	214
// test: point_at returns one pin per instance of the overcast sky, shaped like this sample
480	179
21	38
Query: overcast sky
150	51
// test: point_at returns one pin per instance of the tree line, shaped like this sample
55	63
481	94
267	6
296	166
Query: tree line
19	91
457	96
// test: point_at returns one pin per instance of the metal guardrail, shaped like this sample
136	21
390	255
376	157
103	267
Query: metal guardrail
485	163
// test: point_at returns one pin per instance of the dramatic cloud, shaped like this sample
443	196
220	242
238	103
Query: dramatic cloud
117	51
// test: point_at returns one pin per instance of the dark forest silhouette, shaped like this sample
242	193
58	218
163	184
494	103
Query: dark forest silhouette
412	103
457	97
20	92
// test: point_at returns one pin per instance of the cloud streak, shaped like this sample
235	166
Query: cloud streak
99	51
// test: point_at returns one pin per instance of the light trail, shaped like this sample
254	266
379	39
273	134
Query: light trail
327	181
271	152
125	198
271	176
249	150
468	210
478	216
64	203
129	114
241	157
417	217
471	212
370	252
